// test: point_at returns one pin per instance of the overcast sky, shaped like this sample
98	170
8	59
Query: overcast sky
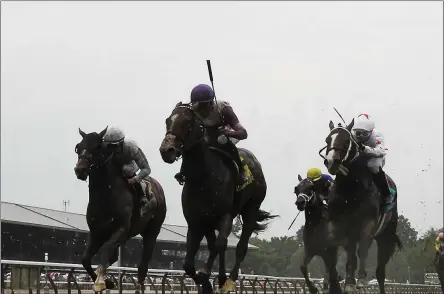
283	67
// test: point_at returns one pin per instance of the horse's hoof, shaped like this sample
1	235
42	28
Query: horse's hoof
99	286
361	283
206	287
313	290
229	286
350	288
203	272
335	289
109	284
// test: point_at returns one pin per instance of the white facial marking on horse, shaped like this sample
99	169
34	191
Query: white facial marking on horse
173	118
330	154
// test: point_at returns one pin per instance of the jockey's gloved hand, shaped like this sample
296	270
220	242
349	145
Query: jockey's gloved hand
361	147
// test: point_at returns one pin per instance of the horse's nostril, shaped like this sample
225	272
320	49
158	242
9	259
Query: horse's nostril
171	150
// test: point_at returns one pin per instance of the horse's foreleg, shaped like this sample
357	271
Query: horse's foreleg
92	247
308	256
193	243
352	264
212	250
110	247
204	273
325	283
331	260
225	226
364	245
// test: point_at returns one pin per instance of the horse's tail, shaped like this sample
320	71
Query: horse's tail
261	217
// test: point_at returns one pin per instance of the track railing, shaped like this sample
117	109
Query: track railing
20	277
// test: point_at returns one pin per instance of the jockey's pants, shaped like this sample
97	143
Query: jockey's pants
129	170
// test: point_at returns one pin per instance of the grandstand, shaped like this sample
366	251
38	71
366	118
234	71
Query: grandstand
29	232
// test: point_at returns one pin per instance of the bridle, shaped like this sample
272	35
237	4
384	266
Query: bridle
345	159
305	197
183	140
88	156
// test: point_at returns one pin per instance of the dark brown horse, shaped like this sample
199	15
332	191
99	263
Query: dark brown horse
210	200
315	232
113	210
354	208
439	265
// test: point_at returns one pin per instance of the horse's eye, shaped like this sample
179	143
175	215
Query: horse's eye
76	149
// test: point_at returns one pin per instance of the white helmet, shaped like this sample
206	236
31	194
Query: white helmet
363	127
113	136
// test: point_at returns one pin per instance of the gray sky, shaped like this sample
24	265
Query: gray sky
283	66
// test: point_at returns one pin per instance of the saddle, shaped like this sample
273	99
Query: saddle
228	157
235	168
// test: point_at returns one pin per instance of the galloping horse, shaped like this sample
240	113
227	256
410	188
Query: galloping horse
315	233
113	212
209	198
439	265
354	208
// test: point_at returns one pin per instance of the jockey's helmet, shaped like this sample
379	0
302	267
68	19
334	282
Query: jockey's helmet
441	235
113	136
314	174
202	93
363	127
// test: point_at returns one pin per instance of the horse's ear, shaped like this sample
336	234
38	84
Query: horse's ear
102	133
299	178
350	126
331	125
82	133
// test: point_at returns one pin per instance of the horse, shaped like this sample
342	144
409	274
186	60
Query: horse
354	208
314	233
113	210
210	200
439	264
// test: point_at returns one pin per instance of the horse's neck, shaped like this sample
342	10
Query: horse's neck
100	183
358	177
313	215
200	162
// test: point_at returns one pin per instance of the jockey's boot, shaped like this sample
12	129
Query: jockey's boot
180	177
149	202
383	187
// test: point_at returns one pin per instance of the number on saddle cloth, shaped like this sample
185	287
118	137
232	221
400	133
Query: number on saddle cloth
248	173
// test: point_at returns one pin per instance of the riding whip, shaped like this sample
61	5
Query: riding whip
293	221
210	73
340	116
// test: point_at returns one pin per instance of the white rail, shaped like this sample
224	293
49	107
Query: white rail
53	265
131	269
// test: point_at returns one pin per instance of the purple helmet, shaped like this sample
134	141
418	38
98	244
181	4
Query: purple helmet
202	93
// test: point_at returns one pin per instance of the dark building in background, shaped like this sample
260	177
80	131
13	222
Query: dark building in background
30	232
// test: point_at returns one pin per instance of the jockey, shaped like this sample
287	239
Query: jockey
438	241
322	182
222	127
372	145
133	158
